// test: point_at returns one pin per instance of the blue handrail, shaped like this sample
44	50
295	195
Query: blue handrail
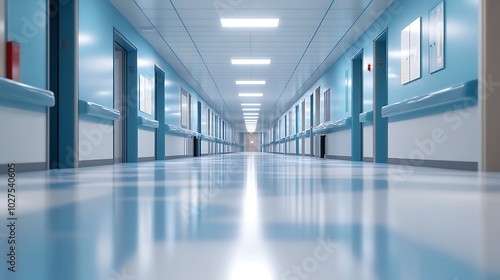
148	122
333	126
452	98
19	92
175	130
96	110
366	117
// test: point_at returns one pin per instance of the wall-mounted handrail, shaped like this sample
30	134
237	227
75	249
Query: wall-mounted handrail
456	97
175	130
97	110
366	117
148	122
333	126
19	92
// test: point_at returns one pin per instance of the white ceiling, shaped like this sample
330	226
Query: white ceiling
189	35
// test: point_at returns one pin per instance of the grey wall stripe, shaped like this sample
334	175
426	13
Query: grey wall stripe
145	159
90	163
177	157
456	165
338	157
25	167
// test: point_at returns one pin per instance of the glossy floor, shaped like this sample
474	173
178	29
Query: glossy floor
254	216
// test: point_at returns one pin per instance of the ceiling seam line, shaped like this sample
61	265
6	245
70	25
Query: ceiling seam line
212	103
331	51
201	57
303	54
343	36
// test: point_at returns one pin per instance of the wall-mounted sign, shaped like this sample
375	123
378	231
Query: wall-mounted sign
411	52
146	95
346	108
436	38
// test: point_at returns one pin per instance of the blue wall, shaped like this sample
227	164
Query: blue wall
97	20
461	49
27	24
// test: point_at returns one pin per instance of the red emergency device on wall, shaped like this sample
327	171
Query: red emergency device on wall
13	61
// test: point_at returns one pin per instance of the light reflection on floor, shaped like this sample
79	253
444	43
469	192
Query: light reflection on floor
255	216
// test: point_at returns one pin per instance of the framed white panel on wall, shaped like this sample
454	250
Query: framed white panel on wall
405	55
436	38
146	95
411	52
184	108
415	49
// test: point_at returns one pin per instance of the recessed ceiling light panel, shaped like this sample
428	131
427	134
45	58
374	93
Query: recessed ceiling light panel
251	94
250	82
250	61
250	22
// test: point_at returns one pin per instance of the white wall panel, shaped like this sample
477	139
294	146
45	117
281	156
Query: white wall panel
339	143
23	135
146	143
95	140
204	148
293	147
175	146
368	141
308	146
452	136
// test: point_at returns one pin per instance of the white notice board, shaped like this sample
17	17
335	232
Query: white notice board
405	55
436	38
146	95
411	52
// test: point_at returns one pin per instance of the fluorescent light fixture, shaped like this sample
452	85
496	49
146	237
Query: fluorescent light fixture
251	117
250	82
250	61
249	22
251	94
251	109
251	114
250	104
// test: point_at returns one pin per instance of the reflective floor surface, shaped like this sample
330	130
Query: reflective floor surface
252	216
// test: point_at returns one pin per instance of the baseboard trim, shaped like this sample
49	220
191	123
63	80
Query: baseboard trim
176	157
24	167
444	164
98	162
368	159
339	157
145	159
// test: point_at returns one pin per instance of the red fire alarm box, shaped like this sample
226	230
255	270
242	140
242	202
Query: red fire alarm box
13	61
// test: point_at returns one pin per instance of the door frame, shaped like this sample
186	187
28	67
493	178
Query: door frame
123	102
160	112
131	114
380	98
357	106
317	120
490	74
311	124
